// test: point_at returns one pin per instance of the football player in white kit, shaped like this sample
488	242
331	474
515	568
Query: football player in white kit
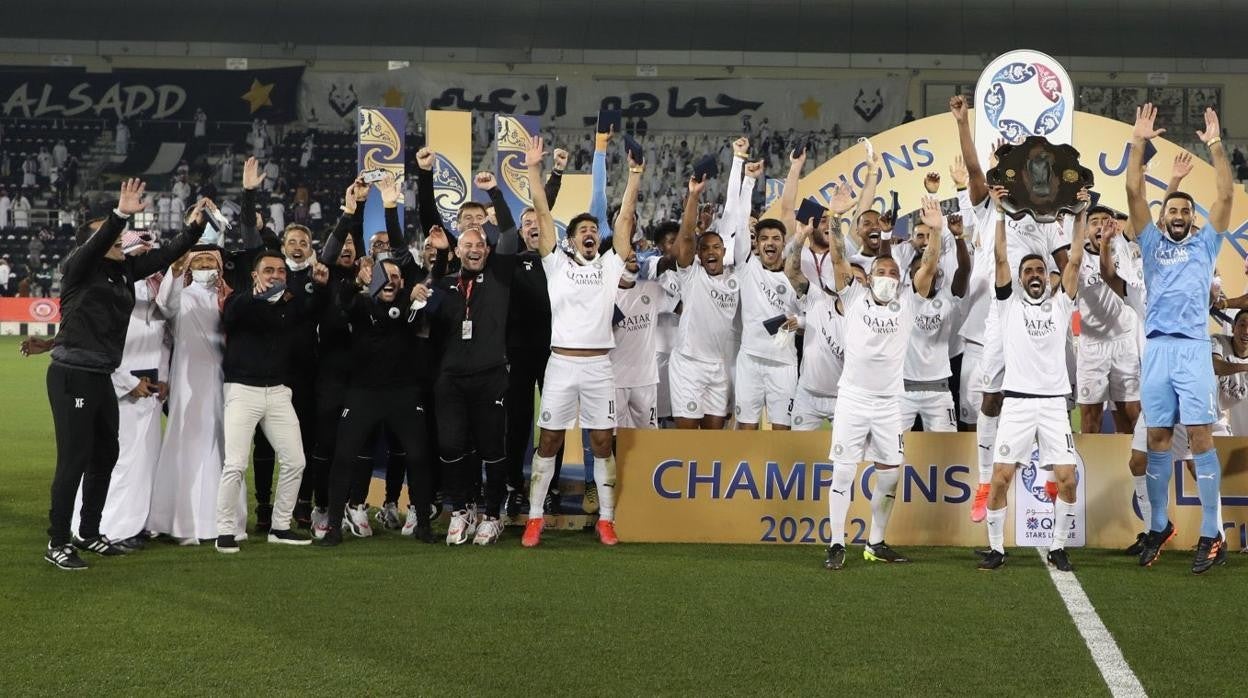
579	380
1033	326
709	294
632	360
1108	359
767	362
1026	237
878	322
927	370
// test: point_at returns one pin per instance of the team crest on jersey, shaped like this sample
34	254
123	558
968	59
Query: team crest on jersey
780	289
838	449
307	287
1084	391
1004	450
692	407
393	313
229	265
545	415
937	303
894	306
1047	307
732	283
797	420
645	300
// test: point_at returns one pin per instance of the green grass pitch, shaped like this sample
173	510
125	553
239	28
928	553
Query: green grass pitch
388	615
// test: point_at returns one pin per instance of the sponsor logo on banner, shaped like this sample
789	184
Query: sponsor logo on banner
1033	510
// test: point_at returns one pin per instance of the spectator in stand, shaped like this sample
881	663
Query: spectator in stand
226	172
71	174
44	159
43	281
6	205
60	154
183	170
201	124
271	173
30	170
316	217
34	256
177	210
6	275
6	165
181	189
309	148
21	211
642	127
121	139
277	213
163	205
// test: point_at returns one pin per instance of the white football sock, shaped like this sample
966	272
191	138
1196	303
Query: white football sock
604	475
986	437
996	529
838	499
882	499
1063	522
539	483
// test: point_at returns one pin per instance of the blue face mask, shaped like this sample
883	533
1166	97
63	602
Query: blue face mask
274	293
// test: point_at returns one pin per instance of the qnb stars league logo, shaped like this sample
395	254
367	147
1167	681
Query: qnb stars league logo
1025	99
450	190
1034	483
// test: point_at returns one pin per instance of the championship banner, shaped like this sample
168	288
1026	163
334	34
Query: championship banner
380	146
512	135
857	106
912	150
450	136
1021	94
30	310
225	95
772	487
574	193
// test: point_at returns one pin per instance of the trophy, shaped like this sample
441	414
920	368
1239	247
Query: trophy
1042	179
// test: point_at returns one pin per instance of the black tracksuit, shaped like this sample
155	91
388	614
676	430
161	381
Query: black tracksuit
97	295
389	360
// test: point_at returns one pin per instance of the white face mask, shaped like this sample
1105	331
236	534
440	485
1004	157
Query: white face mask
884	287
298	266
204	277
381	256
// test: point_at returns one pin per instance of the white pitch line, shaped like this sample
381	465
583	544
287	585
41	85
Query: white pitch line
1114	669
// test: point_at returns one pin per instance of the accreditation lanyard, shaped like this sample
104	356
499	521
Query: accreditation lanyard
819	260
465	329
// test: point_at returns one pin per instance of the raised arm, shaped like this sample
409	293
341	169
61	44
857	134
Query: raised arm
793	259
428	208
89	253
925	277
622	240
486	182
554	181
598	188
685	243
546	238
976	182
1070	273
866	198
1220	212
739	222
788	197
159	259
1137	203
961	275
352	219
1109	270
1004	277
841	271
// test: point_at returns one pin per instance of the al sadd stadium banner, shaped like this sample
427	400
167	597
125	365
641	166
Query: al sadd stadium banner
910	151
771	487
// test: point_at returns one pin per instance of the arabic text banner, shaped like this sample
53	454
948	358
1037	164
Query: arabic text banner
225	95
858	106
772	487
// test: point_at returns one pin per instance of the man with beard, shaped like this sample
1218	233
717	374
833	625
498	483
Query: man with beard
469	315
1034	326
1178	384
390	359
1025	236
878	323
97	297
579	382
528	344
1108	360
766	367
709	296
927	370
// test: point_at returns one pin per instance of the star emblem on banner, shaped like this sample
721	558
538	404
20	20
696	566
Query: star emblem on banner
810	108
258	95
392	98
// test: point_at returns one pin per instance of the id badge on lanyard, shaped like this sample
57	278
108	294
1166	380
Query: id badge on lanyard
465	327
